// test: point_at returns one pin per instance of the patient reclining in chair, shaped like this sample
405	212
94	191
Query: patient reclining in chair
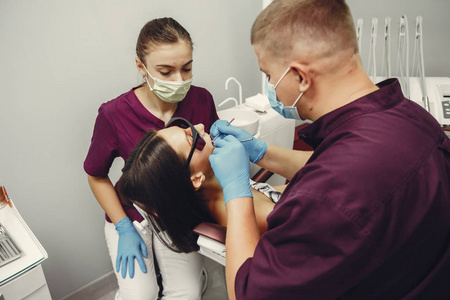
177	189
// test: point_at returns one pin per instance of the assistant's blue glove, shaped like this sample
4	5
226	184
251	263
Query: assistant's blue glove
254	148
131	246
231	167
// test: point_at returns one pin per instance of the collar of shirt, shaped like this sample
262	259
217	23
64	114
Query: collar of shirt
386	97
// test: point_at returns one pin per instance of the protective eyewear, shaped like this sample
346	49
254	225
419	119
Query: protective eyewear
196	143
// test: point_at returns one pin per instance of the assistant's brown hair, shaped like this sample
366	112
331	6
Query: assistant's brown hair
160	31
156	177
285	21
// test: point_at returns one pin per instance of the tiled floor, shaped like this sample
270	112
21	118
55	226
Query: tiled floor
215	290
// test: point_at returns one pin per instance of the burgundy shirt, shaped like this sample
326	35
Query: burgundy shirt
368	217
122	122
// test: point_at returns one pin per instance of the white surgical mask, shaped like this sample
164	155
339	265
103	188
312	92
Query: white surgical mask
169	91
289	112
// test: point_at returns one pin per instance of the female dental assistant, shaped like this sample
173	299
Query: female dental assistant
164	59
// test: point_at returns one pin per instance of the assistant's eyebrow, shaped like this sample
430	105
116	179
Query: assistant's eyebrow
172	67
188	63
166	66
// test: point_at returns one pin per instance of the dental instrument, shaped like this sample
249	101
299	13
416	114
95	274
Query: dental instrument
228	124
403	56
372	65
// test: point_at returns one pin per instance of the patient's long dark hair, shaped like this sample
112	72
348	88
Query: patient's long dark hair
155	176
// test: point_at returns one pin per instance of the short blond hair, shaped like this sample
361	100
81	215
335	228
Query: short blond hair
283	22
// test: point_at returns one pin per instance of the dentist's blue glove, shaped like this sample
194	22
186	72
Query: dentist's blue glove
231	167
131	246
254	148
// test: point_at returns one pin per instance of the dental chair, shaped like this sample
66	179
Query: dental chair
211	237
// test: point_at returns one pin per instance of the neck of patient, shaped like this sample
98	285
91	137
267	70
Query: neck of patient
211	189
213	194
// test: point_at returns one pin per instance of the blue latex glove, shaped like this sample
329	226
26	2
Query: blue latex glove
131	246
254	148
231	167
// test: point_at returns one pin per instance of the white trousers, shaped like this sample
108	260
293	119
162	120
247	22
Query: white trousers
181	273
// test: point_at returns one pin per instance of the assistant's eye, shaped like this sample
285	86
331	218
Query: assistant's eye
187	70
164	73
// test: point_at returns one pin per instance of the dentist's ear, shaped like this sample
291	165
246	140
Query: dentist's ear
303	76
140	67
197	180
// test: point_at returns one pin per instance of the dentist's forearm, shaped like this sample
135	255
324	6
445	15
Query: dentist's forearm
242	238
106	196
284	162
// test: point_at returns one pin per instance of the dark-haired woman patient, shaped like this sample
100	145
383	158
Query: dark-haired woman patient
176	193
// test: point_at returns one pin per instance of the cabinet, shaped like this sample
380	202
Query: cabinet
21	274
30	285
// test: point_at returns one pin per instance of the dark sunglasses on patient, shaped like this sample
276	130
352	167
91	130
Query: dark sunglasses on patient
197	143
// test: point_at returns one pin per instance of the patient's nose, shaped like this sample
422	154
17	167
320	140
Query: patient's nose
200	128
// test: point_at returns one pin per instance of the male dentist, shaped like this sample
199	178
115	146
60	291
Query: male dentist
367	214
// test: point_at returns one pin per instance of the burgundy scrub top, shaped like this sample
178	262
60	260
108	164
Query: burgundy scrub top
368	217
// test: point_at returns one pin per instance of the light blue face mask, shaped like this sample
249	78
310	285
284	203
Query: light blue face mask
289	112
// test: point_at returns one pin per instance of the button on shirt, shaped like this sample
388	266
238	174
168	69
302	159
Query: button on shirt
368	217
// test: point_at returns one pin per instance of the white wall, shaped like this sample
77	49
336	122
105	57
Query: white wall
59	60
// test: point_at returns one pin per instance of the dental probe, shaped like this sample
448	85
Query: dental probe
228	124
246	140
